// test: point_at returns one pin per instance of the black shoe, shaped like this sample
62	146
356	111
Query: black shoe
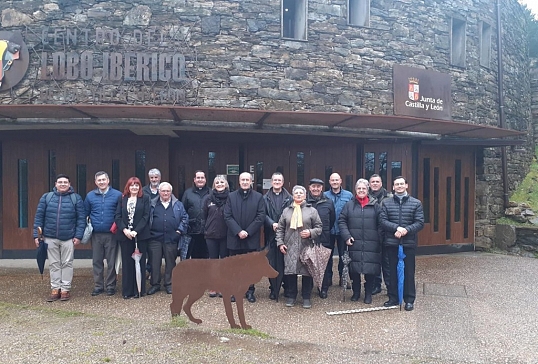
323	293
376	290
128	297
168	289
367	298
97	291
110	292
409	306
250	297
356	296
232	299
154	289
272	296
390	303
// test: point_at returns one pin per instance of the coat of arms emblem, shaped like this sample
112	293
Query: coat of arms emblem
413	89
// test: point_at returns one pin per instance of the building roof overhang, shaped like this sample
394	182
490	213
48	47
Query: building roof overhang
167	120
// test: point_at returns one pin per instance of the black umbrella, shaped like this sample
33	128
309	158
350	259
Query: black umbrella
276	260
41	252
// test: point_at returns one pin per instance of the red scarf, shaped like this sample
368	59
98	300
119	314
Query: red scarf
362	201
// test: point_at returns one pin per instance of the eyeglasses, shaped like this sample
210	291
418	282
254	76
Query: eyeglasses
165	191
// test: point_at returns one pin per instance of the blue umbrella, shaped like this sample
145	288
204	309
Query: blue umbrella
400	268
41	252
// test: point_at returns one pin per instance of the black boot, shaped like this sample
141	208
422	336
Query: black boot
367	298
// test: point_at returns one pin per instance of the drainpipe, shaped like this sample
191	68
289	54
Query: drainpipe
502	123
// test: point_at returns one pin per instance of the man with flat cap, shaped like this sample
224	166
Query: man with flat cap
326	211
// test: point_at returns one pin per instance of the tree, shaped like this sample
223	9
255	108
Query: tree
532	35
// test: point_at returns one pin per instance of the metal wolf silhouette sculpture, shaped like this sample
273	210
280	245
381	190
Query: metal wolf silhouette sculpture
230	276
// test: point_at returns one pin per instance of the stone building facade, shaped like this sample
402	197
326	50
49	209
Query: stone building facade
232	54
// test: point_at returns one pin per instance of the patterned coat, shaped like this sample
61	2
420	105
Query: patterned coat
291	238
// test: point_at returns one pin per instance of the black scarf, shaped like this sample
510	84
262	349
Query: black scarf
219	198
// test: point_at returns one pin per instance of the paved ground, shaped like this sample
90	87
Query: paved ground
470	308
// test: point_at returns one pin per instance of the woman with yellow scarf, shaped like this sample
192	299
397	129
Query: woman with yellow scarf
297	227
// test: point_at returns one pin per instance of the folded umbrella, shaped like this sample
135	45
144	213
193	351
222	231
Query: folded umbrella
183	245
345	272
137	256
315	257
400	270
41	252
117	264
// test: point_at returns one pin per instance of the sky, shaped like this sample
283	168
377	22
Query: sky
531	4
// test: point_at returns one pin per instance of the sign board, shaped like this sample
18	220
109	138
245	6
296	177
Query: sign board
422	93
267	183
232	169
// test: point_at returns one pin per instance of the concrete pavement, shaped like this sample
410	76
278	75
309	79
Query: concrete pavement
470	308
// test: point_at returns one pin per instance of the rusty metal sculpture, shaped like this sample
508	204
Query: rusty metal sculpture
231	276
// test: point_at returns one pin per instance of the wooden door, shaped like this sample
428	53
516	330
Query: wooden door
388	160
447	191
32	160
210	156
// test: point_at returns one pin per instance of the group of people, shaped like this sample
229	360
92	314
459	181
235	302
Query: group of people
369	224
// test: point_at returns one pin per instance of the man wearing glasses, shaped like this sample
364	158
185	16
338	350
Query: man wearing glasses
168	220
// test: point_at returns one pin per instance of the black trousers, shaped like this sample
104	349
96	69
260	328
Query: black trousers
198	247
291	286
128	271
368	282
385	270
340	244
217	248
328	276
232	252
409	292
158	250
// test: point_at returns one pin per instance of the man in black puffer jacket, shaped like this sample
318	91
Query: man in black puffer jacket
402	217
192	200
326	212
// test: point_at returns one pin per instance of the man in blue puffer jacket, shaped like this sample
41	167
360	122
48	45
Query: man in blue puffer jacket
60	214
100	205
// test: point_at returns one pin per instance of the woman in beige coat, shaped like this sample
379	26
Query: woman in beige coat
297	227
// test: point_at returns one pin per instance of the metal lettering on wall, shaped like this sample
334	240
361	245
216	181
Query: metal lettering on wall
128	66
422	93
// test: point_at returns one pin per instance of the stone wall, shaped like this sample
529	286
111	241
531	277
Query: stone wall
235	57
517	239
534	95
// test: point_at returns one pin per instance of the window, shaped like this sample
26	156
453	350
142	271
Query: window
294	16
211	172
485	44
457	43
81	179
22	190
300	168
358	12
140	165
